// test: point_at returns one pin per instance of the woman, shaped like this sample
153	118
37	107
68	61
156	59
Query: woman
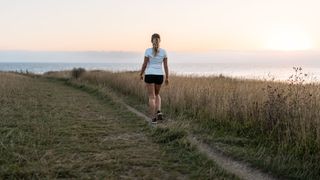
152	68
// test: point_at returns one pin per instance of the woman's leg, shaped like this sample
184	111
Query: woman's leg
152	98
157	88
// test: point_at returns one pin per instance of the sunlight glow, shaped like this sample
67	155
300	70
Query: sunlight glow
191	26
288	39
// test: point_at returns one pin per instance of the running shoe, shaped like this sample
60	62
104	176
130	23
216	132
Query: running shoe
154	120
159	115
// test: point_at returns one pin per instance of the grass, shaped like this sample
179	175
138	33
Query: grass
273	125
50	128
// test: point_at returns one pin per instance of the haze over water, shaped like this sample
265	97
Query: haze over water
243	64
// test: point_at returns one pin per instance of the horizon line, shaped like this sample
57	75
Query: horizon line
174	51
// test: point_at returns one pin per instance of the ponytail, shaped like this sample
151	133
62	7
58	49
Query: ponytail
155	49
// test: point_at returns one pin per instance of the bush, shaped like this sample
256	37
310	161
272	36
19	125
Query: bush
77	72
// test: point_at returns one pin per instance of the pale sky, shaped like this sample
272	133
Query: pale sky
184	25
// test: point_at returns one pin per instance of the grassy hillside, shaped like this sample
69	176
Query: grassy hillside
50	130
273	125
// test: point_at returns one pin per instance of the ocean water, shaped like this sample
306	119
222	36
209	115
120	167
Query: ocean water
240	64
40	68
266	71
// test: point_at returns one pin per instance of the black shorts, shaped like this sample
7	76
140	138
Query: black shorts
156	79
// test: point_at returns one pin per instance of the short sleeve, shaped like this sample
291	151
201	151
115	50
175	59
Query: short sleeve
146	53
165	54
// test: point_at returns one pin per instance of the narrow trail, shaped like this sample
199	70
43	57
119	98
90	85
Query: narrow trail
49	130
240	169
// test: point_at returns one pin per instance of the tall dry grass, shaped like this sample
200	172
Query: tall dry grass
287	114
12	84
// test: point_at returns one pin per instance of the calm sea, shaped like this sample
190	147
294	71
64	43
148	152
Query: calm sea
243	64
240	70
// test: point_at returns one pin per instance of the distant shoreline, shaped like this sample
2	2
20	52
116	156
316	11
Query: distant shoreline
239	71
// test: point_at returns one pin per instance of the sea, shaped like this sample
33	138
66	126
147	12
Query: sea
247	65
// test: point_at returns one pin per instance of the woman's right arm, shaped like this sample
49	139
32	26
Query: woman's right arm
144	66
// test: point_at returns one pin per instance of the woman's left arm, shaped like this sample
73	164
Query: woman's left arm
166	70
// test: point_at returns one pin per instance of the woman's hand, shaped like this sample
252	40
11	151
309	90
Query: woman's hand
141	77
166	82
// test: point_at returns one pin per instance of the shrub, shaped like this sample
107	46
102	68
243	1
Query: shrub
77	72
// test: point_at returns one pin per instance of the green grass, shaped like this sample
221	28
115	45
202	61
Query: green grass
237	139
173	141
248	147
54	129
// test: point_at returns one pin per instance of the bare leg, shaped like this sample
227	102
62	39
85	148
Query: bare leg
157	88
152	99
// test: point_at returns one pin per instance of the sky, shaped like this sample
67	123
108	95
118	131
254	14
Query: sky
184	25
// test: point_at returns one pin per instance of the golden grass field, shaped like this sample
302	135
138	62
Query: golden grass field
49	130
287	112
272	125
282	118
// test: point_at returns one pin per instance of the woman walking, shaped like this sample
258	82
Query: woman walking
152	69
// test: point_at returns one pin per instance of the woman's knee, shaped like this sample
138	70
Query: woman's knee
152	97
157	89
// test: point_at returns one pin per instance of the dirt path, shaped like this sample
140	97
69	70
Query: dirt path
238	168
241	169
50	130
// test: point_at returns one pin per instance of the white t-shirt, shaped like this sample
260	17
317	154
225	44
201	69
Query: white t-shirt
154	65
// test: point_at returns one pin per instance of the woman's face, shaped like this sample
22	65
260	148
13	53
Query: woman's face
155	42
